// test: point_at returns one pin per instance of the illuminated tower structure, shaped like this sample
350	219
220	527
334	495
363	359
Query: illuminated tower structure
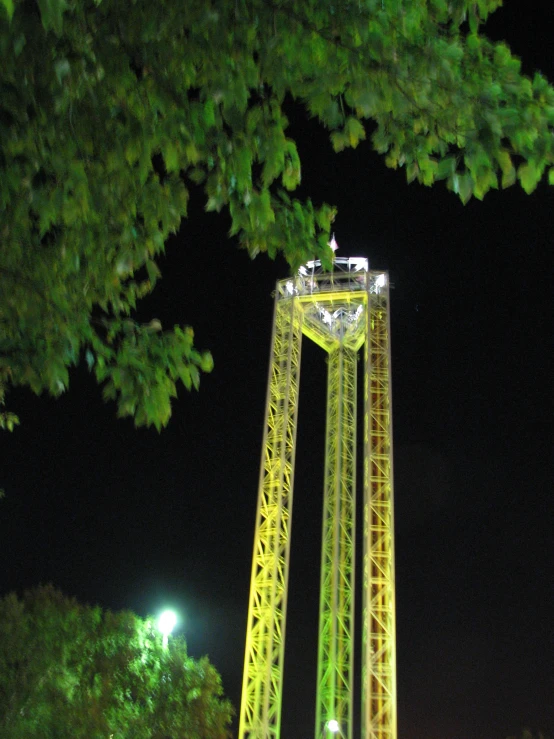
341	311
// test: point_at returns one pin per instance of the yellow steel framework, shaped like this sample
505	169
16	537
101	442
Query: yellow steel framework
339	311
265	641
336	610
379	613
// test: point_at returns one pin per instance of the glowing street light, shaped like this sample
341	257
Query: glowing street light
333	726
166	624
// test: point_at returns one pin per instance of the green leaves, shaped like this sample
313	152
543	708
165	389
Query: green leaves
68	670
507	167
171	157
9	7
51	13
351	135
140	367
529	175
8	420
462	185
291	169
105	122
62	69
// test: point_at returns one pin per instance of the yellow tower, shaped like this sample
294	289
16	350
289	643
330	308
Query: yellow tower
341	311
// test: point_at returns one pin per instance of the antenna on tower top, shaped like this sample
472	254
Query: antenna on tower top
333	243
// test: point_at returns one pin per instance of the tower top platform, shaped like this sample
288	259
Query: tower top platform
334	303
349	274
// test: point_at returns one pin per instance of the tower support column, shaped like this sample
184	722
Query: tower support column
379	613
336	610
260	716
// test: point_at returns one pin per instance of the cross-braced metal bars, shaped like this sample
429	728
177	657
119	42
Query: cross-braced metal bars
336	610
379	613
339	311
262	679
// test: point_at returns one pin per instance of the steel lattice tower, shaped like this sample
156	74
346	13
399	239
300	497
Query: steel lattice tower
340	311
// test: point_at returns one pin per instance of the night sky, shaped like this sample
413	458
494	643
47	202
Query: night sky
133	519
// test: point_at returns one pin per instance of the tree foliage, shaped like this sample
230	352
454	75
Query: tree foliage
77	672
110	111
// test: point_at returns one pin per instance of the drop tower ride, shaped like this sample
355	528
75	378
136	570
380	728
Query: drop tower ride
340	311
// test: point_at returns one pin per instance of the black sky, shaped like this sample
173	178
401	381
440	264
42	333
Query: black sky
133	519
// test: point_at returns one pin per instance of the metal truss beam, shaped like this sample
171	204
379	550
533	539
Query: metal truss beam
336	611
260	716
379	621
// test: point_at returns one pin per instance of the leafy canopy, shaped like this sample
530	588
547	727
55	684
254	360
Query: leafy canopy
111	110
76	672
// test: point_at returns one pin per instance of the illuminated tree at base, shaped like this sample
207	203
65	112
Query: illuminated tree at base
340	311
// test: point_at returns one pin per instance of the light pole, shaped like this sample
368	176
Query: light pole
166	624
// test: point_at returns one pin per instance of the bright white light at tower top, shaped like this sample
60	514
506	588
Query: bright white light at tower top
347	275
340	264
333	726
326	317
358	263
